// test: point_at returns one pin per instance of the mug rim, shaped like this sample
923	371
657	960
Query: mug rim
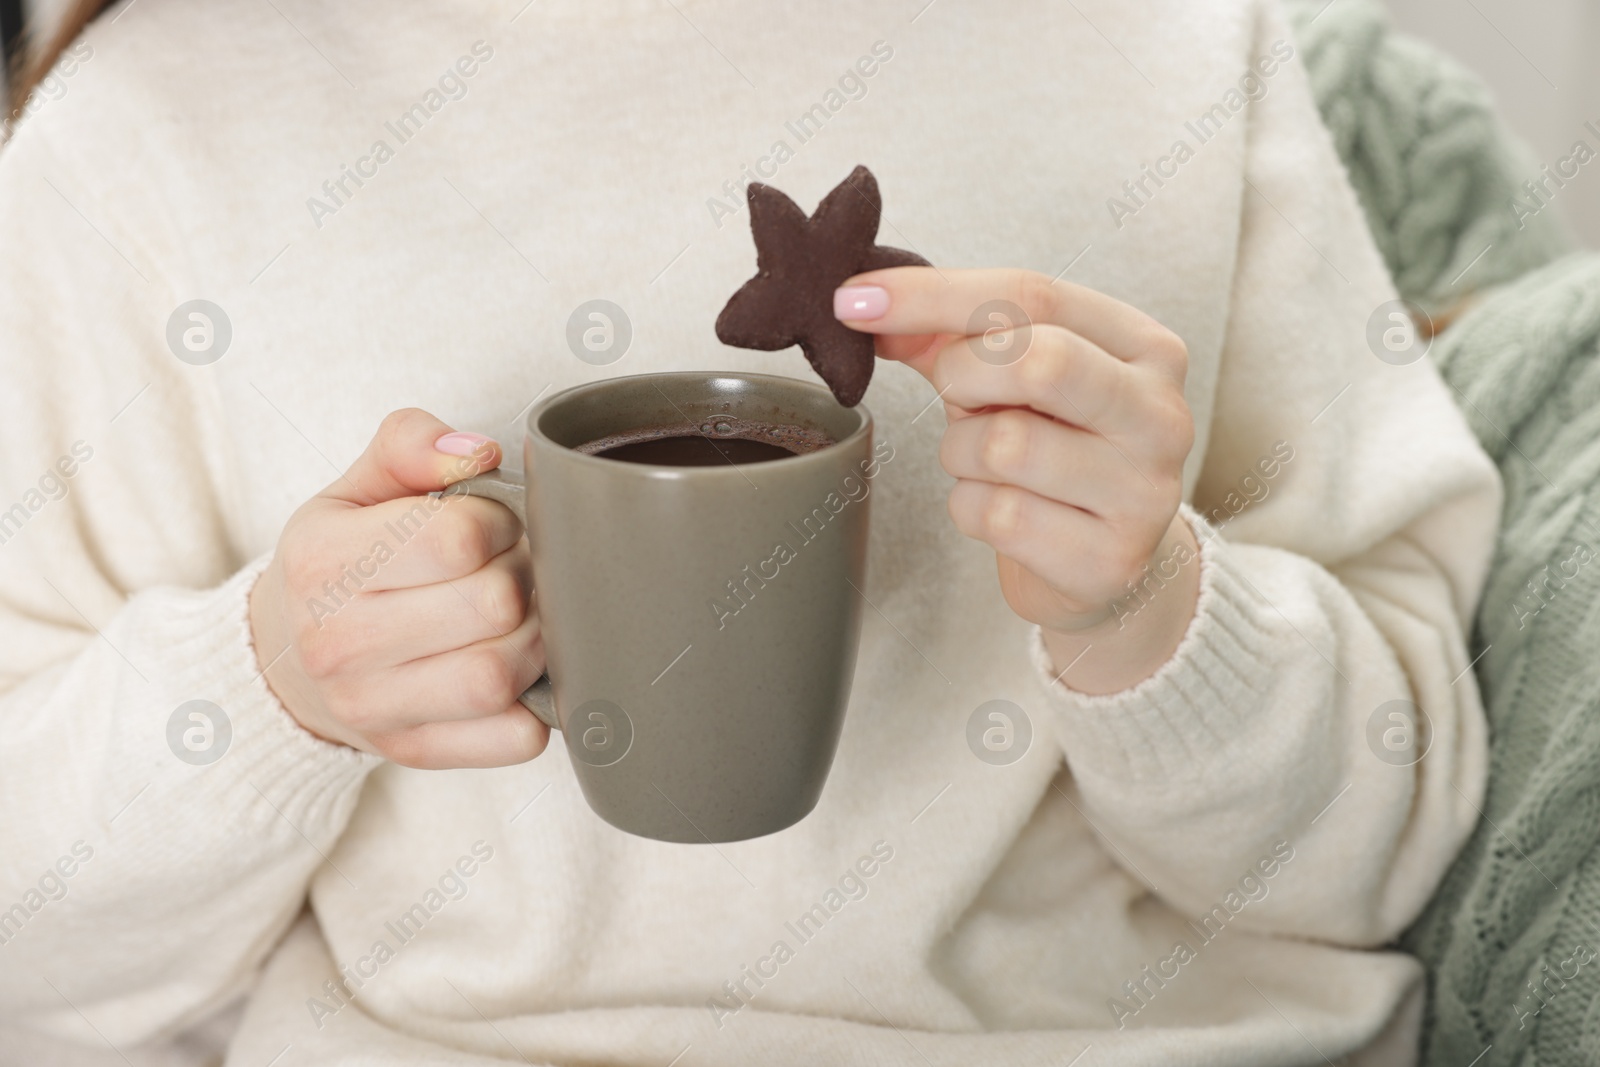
662	470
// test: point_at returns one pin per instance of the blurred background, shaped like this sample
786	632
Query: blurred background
1536	55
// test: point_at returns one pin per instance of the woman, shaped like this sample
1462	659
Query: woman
1236	548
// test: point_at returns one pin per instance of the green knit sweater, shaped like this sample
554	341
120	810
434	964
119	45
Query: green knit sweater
1512	939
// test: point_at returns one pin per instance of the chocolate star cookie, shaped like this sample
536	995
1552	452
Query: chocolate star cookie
799	263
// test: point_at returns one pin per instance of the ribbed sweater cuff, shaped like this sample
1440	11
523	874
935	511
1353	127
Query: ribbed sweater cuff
205	645
1199	703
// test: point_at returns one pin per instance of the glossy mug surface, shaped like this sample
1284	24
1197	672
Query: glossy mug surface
700	622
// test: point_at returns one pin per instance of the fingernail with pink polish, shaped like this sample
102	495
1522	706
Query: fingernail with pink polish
860	303
461	444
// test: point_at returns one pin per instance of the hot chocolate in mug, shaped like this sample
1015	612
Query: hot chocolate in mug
700	621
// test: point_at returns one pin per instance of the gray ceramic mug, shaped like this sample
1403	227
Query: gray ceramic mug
700	622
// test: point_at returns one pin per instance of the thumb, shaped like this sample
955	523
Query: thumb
412	453
916	351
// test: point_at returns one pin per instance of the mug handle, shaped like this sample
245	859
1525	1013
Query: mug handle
507	487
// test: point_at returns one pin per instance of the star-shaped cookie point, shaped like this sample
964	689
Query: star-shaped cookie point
800	261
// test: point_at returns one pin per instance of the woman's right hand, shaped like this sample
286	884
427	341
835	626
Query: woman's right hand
401	624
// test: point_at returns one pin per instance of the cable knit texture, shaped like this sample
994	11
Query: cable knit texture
1523	903
1512	937
1427	154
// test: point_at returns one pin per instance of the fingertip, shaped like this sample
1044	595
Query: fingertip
413	451
863	304
461	443
473	453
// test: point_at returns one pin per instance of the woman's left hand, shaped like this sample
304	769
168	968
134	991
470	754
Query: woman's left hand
1067	436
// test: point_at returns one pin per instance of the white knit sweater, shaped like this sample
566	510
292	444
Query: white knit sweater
1200	870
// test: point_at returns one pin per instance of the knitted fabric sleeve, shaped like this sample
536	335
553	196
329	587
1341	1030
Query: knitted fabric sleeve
1347	516
154	848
